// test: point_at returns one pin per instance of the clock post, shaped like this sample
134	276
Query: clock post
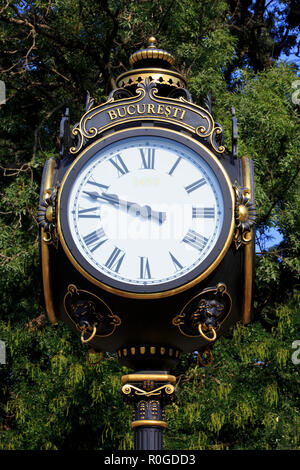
146	232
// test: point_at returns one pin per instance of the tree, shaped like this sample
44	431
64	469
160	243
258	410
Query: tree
52	53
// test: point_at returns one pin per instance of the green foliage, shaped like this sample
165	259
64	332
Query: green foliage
52	399
248	398
52	53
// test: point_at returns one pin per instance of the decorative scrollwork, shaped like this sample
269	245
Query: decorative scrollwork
147	105
46	216
217	138
129	389
245	216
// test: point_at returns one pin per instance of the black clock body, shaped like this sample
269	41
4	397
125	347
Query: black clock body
149	326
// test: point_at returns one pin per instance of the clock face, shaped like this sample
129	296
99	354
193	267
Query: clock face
145	213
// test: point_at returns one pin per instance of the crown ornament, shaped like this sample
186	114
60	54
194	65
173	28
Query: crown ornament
153	65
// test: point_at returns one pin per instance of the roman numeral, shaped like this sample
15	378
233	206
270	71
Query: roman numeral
195	185
174	166
148	156
85	213
93	239
144	268
176	263
95	183
195	240
119	165
115	260
203	212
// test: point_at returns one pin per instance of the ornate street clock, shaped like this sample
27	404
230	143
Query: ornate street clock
147	224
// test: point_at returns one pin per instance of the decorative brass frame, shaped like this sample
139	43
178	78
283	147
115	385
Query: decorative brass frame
169	292
45	249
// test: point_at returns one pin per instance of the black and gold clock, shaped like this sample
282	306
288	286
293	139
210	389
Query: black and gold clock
147	222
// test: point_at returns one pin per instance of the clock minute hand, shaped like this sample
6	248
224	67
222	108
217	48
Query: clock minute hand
144	211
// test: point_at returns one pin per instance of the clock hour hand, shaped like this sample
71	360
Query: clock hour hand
144	211
136	209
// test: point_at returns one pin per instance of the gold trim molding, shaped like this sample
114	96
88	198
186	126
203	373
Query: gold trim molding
154	75
154	377
45	248
249	247
149	350
148	422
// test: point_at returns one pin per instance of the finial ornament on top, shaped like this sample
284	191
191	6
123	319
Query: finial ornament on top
152	55
152	41
154	64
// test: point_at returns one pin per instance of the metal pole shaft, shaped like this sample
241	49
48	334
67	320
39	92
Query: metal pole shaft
148	424
148	438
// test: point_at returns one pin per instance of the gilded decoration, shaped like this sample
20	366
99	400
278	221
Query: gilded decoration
147	105
46	216
152	53
245	216
204	314
166	388
91	315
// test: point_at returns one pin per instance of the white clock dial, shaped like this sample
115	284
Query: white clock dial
145	211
